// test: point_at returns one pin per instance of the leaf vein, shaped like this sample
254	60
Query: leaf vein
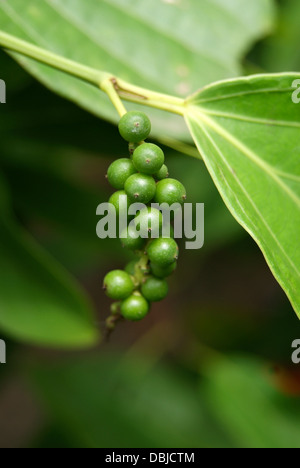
205	131
251	155
244	93
151	24
244	118
14	16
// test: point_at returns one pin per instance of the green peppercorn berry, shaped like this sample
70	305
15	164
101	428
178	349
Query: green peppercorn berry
170	191
132	240
119	171
118	285
130	267
154	289
149	222
135	126
116	199
140	188
163	272
163	173
163	252
134	307
148	158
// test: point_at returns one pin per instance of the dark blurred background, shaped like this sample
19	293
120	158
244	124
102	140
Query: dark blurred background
210	366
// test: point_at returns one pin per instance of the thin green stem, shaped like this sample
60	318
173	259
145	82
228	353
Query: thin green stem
149	98
53	60
141	269
116	90
108	87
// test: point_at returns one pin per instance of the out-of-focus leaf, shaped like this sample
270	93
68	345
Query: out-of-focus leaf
51	197
253	412
247	131
280	52
4	198
266	331
105	402
39	301
202	41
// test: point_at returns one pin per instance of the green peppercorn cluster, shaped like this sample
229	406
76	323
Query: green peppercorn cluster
144	178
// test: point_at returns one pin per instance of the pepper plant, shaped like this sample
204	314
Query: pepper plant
245	128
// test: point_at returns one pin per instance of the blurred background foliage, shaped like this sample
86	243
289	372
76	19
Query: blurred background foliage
209	367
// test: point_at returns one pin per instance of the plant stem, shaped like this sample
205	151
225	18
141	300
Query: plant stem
140	269
116	90
53	60
111	323
149	98
108	87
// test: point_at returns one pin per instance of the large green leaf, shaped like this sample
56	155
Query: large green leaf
251	410
247	131
39	302
173	47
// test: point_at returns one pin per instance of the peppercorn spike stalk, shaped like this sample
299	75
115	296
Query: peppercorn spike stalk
141	269
108	87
